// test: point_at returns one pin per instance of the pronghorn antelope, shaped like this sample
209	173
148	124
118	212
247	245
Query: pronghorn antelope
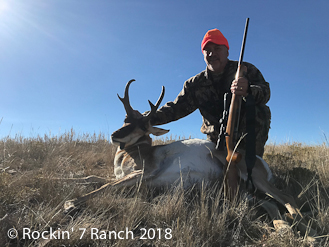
186	162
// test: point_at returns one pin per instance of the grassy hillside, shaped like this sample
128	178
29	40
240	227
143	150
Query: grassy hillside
31	202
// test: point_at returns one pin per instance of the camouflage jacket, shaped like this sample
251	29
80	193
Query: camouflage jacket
203	93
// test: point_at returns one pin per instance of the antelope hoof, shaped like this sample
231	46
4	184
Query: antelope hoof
69	206
280	225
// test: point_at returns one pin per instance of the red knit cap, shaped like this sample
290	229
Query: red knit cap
214	36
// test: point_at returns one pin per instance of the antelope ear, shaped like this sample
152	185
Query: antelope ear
157	131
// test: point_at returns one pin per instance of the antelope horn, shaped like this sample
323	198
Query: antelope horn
125	99
155	107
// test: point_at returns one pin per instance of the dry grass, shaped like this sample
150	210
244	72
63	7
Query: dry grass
198	217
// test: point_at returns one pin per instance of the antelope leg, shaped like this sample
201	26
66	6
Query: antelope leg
287	201
130	179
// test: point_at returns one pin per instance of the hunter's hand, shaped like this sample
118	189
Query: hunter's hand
240	86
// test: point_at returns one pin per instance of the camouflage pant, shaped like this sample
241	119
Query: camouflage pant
262	127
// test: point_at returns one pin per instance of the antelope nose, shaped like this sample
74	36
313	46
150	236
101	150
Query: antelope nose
113	138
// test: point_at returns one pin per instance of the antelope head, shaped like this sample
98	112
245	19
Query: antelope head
136	127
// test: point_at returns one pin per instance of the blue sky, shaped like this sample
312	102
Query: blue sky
62	62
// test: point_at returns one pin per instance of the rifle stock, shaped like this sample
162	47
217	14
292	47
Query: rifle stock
233	121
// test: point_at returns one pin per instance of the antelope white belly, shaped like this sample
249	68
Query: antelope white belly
189	161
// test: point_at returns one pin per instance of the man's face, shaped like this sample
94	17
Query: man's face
215	57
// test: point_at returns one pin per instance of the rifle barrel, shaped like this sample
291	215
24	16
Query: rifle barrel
244	41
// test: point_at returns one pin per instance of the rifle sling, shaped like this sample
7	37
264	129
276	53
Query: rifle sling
250	157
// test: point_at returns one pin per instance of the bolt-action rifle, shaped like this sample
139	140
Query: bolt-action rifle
233	157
